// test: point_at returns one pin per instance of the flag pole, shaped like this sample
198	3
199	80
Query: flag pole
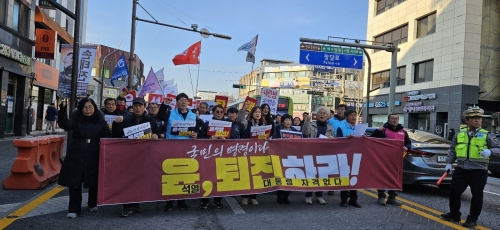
192	88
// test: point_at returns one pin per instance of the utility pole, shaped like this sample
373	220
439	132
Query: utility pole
342	100
131	59
76	56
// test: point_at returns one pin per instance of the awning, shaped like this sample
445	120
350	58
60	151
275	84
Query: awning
44	19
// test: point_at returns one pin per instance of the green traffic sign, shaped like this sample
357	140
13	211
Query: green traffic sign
339	50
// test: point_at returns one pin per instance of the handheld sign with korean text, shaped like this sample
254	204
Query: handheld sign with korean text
110	118
290	134
221	100
219	128
183	128
260	132
140	131
270	97
251	102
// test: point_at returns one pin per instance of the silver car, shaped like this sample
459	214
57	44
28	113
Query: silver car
425	162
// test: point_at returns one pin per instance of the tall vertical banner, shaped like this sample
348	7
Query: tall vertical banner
45	43
221	100
85	65
183	169
270	97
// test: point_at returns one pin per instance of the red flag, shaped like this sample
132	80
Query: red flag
189	56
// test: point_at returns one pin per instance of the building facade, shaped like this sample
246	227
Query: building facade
16	64
448	60
308	87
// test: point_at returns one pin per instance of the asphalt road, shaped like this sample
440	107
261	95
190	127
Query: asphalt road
46	209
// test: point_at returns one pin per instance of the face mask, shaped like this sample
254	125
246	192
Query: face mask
120	107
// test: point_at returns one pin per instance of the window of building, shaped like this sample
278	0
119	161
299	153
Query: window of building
398	36
285	74
383	5
382	79
3	11
423	71
426	25
20	18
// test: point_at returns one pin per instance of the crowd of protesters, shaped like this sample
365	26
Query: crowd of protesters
80	166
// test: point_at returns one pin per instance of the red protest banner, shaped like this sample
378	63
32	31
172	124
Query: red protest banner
260	132
130	97
252	102
172	104
221	100
189	169
158	98
219	128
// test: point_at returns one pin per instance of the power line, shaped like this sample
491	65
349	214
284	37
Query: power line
170	13
186	14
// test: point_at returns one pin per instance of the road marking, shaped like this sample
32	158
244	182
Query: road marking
437	219
234	205
498	194
419	206
6	221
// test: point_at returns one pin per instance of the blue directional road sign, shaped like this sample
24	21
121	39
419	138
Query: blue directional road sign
310	57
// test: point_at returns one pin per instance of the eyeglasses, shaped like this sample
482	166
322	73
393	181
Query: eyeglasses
183	100
88	108
219	111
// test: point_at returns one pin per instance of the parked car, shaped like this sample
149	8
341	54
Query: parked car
494	165
425	162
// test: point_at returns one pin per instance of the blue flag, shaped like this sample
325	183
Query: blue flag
121	69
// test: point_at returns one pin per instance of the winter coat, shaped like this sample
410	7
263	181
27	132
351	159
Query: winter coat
381	134
81	163
51	113
277	131
310	130
129	121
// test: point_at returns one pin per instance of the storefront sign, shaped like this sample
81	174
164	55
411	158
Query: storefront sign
110	93
415	96
46	76
11	53
300	99
45	43
382	104
428	108
45	4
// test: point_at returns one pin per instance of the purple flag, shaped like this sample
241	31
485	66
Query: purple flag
150	85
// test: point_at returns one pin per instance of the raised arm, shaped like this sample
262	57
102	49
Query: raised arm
63	120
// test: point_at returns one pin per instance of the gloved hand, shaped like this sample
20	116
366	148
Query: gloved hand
486	153
448	168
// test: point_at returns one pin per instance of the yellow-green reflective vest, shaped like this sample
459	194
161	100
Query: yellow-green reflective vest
471	147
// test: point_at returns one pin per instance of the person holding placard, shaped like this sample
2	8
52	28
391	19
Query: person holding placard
81	164
254	119
181	124
110	107
219	128
297	124
282	196
266	113
314	130
346	129
147	128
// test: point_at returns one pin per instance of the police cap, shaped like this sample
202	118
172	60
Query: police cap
473	112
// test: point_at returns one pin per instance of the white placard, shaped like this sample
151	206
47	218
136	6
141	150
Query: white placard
270	96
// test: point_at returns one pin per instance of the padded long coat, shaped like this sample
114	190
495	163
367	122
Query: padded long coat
81	163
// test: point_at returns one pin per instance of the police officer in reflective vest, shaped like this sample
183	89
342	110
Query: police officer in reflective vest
471	147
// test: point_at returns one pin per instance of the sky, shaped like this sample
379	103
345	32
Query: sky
279	23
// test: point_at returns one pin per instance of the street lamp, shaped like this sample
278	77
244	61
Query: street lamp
102	77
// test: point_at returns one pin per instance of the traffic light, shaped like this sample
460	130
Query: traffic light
236	86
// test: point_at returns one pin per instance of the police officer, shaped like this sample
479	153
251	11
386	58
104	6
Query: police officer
471	147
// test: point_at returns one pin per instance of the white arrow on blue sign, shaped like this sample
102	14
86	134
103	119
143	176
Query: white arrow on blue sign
331	59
